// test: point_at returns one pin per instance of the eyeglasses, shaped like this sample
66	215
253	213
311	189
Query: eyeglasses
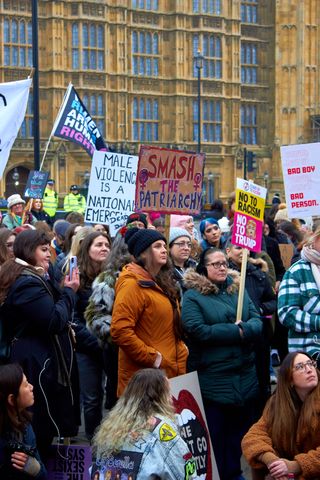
301	367
183	244
217	265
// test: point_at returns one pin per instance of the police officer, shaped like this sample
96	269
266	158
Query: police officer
50	199
74	201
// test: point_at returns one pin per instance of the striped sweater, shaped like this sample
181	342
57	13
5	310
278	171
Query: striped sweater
299	308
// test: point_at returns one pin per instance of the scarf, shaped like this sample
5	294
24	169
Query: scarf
39	270
309	254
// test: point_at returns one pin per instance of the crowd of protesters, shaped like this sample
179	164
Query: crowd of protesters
149	304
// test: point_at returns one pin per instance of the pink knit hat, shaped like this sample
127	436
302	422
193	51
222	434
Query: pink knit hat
179	220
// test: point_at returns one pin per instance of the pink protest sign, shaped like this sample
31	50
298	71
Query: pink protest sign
248	219
247	232
169	181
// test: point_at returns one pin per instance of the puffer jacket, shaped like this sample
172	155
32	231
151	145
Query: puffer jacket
142	325
223	358
159	451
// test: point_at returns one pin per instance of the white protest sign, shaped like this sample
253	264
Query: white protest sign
192	421
111	189
13	104
301	175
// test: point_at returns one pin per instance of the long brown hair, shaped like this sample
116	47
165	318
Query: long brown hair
89	270
286	414
11	377
24	248
169	286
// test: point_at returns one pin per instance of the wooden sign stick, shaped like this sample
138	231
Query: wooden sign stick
245	252
167	227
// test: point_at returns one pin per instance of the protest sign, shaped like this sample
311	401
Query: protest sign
169	181
248	218
192	422
69	462
36	184
111	189
74	123
286	252
301	176
13	103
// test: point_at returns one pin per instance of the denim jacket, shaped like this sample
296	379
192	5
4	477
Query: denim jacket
159	453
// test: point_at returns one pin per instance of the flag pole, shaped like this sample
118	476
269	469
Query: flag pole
55	122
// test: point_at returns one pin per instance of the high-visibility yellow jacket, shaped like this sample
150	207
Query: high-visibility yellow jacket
50	202
74	203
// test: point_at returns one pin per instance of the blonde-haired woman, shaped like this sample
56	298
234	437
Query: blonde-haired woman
142	428
61	266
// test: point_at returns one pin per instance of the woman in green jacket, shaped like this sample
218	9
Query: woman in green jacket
221	350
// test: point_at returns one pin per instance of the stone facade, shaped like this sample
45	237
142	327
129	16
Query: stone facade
135	68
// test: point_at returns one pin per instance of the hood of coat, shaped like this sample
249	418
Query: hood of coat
138	273
203	285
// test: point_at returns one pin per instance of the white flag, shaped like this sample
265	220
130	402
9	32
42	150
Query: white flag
13	105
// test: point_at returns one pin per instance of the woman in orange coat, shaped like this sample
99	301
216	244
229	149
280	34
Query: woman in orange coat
146	319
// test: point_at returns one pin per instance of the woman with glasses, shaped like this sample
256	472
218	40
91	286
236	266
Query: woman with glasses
221	350
180	249
285	442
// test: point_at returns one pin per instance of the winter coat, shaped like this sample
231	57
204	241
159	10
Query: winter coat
41	216
40	316
27	441
159	451
258	441
85	341
12	221
299	307
273	250
142	325
223	358
99	309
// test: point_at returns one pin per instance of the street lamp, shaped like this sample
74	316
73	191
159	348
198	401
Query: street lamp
199	65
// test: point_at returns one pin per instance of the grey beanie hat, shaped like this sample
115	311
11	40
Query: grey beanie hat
177	232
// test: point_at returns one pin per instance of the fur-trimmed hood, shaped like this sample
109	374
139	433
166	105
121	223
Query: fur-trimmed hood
202	284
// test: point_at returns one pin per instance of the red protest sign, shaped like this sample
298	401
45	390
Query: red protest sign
169	181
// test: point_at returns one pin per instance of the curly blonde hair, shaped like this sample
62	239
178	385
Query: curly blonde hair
147	394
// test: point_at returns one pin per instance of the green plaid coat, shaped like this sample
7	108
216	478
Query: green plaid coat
299	308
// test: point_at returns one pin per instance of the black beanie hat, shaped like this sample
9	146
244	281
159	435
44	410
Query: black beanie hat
138	240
